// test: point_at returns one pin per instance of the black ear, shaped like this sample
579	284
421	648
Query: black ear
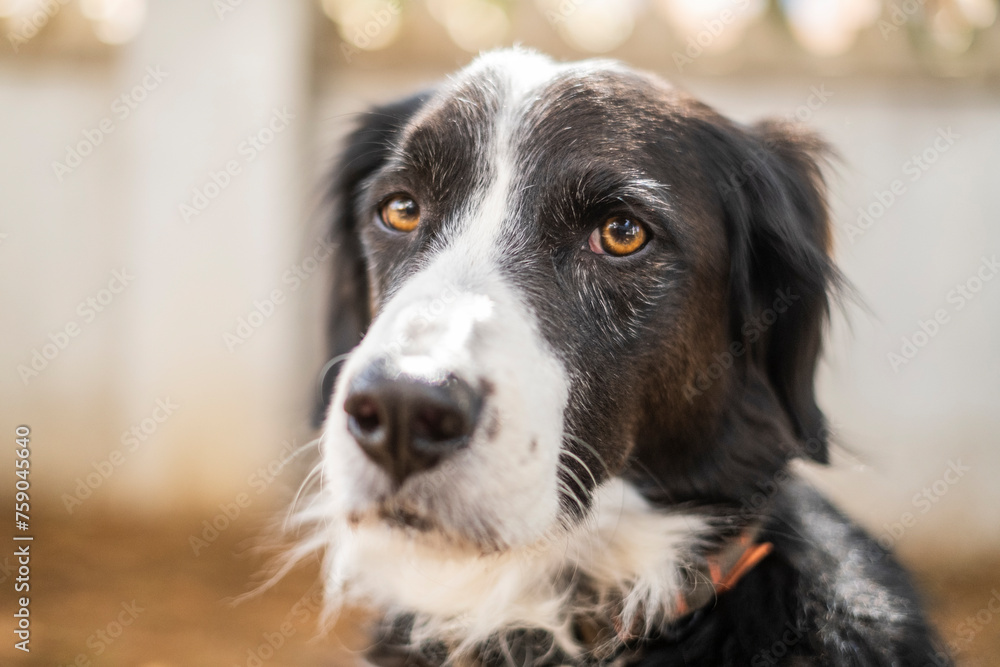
366	149
781	276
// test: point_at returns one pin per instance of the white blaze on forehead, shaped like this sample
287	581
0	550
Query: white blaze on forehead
501	88
438	335
520	78
513	81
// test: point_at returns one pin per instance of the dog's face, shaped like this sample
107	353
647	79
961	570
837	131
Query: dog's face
547	267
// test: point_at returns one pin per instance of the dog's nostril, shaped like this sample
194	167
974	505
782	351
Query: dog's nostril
365	413
407	425
438	424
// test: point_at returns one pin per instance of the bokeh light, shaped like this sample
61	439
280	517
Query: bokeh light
593	26
829	28
369	25
715	25
474	25
115	21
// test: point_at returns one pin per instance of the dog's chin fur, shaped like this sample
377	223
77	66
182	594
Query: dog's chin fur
624	555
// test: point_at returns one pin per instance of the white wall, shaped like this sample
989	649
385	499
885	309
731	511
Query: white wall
163	336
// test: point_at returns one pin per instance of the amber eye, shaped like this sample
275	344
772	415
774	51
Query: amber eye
400	213
618	236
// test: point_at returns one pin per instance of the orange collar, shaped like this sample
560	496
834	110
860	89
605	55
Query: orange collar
722	570
718	573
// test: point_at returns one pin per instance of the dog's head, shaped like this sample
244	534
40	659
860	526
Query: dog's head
551	275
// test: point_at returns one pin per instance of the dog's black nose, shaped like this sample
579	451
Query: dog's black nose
407	425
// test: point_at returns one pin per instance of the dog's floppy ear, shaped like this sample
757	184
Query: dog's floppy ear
781	276
365	150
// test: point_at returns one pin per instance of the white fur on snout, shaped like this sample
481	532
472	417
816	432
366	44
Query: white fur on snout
426	340
458	317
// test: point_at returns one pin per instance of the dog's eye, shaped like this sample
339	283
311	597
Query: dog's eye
618	236
400	213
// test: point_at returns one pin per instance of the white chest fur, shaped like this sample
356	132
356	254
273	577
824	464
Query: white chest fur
624	548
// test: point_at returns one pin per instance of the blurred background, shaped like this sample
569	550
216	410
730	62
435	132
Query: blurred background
162	278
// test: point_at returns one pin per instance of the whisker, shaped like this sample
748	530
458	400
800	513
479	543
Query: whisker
582	464
564	487
590	448
314	475
562	467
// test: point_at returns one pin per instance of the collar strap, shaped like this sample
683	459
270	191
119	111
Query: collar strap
721	571
717	573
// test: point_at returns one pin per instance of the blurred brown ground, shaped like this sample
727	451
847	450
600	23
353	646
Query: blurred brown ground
86	566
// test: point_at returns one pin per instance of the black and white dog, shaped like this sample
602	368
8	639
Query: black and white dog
578	315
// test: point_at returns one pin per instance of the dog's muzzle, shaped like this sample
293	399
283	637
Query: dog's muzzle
406	424
449	412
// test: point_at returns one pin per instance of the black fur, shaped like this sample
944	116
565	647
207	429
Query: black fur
694	358
804	604
365	150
